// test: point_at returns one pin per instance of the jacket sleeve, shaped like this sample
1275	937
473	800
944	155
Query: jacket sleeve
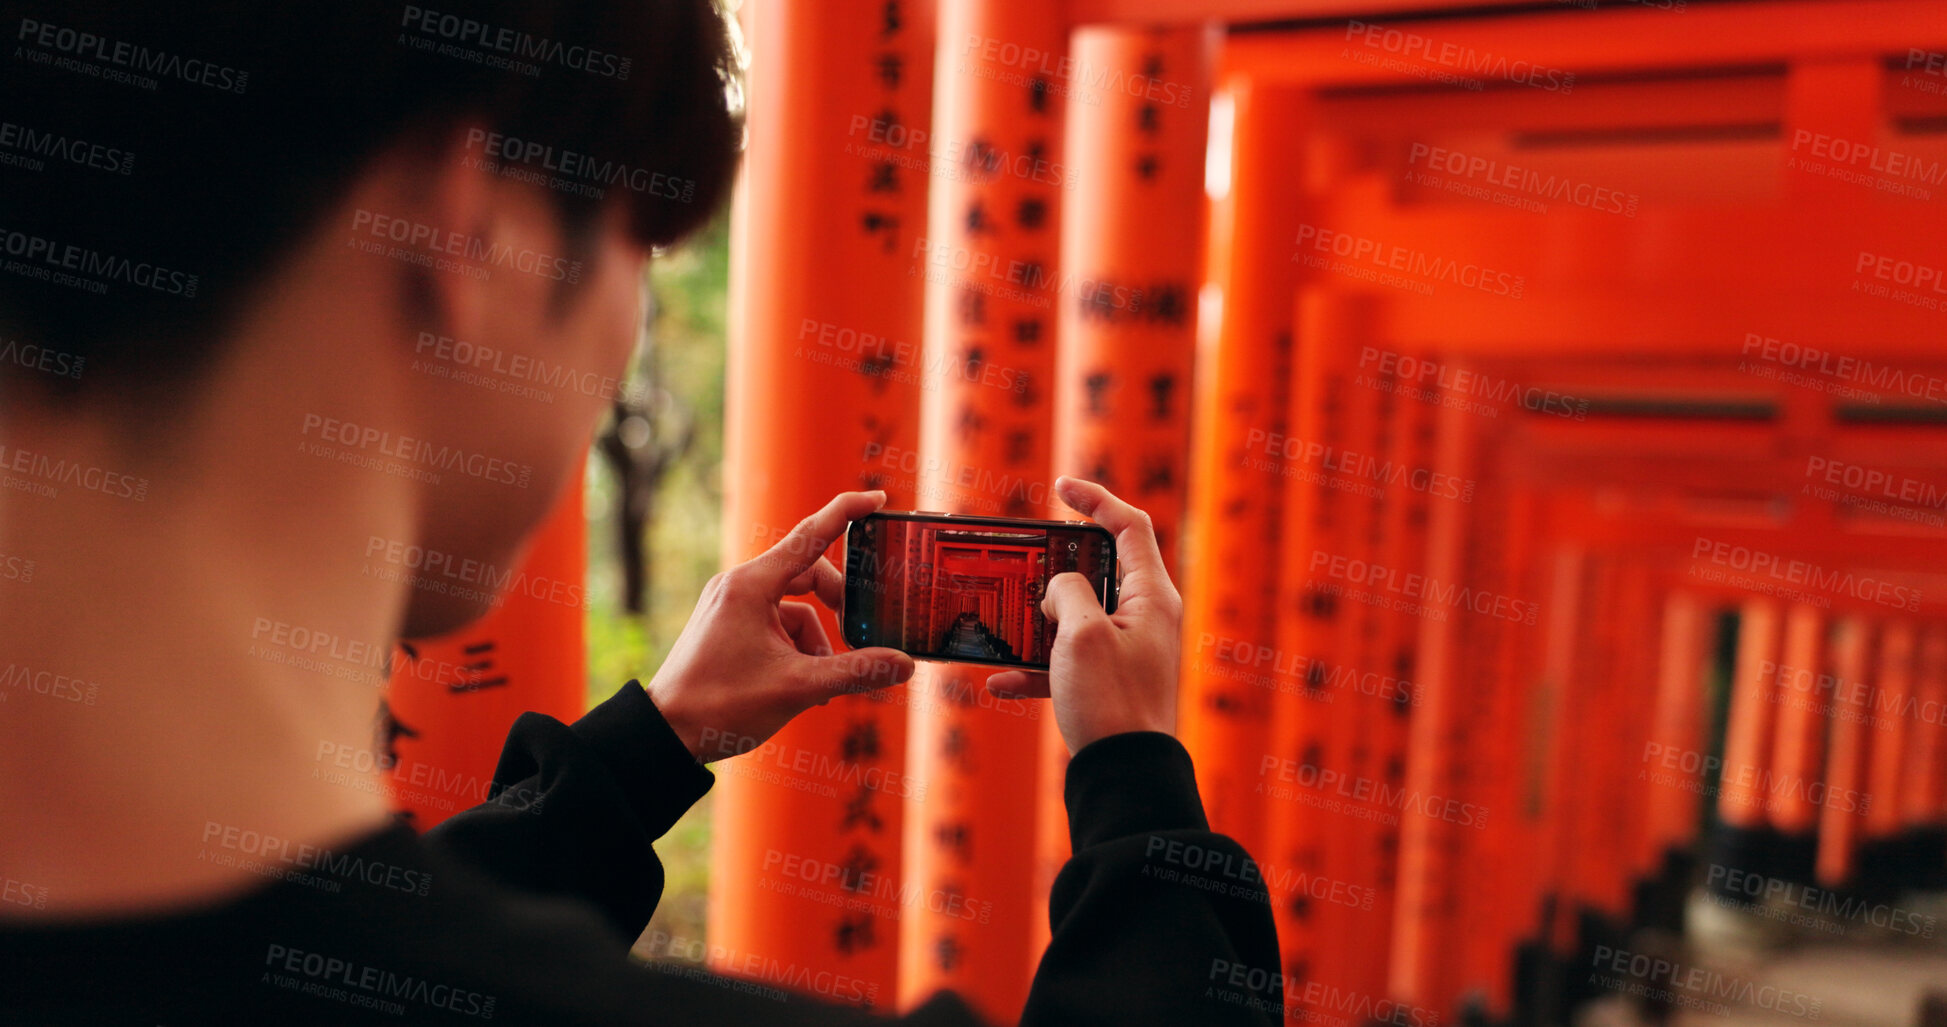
1156	919
574	810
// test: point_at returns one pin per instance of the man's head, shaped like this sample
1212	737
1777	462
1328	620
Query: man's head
420	226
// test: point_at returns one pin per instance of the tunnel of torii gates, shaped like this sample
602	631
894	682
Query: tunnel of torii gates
1541	412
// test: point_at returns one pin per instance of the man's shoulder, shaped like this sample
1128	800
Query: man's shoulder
390	930
386	929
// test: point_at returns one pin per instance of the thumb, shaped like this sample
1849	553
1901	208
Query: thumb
1070	600
822	678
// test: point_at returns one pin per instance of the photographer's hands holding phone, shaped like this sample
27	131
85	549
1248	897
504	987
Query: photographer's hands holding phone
1109	672
749	660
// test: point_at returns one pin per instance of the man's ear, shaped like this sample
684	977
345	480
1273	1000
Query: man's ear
459	194
486	213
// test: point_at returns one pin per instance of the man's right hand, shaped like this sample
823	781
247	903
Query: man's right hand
1110	672
749	660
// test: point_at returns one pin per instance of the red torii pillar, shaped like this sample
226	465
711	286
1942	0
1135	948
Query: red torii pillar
990	266
1230	578
453	699
1123	384
822	395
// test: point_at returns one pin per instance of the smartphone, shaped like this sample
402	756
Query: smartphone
963	589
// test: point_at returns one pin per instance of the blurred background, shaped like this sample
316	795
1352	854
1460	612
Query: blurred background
680	431
1543	407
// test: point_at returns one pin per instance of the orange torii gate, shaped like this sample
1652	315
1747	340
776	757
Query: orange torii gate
826	368
1317	152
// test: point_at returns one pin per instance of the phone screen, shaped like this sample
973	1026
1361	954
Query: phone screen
966	589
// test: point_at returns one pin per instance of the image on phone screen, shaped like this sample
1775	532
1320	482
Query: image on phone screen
964	588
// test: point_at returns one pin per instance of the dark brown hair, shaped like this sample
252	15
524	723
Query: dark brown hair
157	160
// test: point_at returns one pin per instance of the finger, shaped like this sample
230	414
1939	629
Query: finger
1070	601
823	580
776	568
807	632
819	679
829	583
1019	684
1143	574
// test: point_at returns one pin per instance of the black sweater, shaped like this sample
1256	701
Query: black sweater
522	910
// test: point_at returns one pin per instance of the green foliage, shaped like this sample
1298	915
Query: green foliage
687	337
